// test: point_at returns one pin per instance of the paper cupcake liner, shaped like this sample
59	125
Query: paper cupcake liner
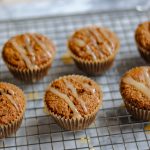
27	75
95	67
7	130
140	114
74	124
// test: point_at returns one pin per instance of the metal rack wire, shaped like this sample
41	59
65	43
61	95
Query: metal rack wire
113	128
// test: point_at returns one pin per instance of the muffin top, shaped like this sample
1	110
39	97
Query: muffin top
93	43
142	35
135	87
12	103
28	51
73	96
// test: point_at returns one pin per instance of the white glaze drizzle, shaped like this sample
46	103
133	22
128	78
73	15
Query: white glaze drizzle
85	85
88	48
9	97
101	53
21	51
81	43
146	76
29	47
75	94
90	88
95	44
140	86
100	40
67	100
93	90
109	47
44	47
11	92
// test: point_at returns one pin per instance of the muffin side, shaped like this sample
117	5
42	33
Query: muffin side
12	108
93	49
72	114
134	87
28	56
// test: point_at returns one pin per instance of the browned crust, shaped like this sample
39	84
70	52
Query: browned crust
8	112
12	57
61	108
130	94
85	35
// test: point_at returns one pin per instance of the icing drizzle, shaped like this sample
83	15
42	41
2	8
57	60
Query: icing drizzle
146	76
96	38
75	94
68	101
88	48
93	90
140	86
81	43
100	39
70	86
9	94
109	46
29	47
44	47
95	44
22	51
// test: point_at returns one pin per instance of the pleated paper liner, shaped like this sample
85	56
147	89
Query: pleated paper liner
28	75
7	130
95	67
12	127
140	114
75	124
145	54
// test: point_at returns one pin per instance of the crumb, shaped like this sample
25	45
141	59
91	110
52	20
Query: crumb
66	58
32	96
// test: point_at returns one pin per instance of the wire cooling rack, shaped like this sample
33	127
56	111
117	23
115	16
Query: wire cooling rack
113	128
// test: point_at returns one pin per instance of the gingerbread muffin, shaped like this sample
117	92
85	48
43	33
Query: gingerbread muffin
73	101
142	38
135	90
28	56
12	108
93	49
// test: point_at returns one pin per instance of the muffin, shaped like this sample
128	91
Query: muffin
73	101
142	38
28	56
135	91
12	108
93	49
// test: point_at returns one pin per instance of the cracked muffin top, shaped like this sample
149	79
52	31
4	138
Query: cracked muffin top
142	35
93	43
28	51
12	103
135	87
73	96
